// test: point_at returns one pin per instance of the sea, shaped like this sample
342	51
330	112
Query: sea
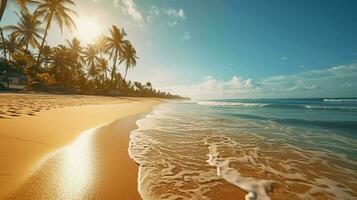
258	148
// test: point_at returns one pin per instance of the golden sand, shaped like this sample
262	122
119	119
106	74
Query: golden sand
48	127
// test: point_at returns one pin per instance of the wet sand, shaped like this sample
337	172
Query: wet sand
94	166
56	153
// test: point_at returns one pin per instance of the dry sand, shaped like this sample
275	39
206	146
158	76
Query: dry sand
44	156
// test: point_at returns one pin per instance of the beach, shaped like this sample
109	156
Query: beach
93	147
68	146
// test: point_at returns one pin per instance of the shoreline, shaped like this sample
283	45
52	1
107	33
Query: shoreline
25	140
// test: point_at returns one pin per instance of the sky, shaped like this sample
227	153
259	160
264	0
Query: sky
213	49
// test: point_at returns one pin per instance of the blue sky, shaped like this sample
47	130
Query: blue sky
234	49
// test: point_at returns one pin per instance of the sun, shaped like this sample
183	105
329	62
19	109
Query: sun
88	29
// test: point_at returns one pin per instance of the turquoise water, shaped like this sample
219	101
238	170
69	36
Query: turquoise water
270	148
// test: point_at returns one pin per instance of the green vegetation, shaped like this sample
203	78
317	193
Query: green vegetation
70	67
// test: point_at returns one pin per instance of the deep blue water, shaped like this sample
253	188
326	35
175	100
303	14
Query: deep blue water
339	114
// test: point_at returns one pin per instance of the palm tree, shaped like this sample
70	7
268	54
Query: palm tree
3	5
21	3
103	66
2	8
115	46
3	43
101	44
27	30
61	65
11	46
138	85
46	54
90	55
149	85
93	71
76	49
57	10
128	57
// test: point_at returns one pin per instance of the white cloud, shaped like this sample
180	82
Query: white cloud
329	82
214	88
153	12
129	7
171	16
179	13
299	87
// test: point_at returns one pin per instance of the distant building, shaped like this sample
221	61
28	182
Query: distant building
13	81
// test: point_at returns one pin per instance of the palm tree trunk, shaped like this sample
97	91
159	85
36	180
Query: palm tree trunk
114	65
105	70
126	71
44	39
27	46
2	8
3	43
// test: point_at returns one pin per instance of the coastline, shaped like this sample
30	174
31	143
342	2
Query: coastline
25	140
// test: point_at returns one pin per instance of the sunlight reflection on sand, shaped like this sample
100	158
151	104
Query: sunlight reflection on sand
77	168
67	173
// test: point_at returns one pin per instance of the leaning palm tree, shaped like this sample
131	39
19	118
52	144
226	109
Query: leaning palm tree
115	46
128	57
21	3
27	31
55	10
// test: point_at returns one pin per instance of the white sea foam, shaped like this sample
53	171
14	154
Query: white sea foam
256	188
224	103
186	153
340	100
331	107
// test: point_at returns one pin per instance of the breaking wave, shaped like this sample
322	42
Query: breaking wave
222	103
340	100
276	105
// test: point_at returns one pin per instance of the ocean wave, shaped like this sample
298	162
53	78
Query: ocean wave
337	125
340	100
276	105
189	152
225	103
312	107
346	108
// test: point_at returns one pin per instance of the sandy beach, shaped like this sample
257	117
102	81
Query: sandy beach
68	146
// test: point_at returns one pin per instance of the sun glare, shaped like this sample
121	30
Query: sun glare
88	29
